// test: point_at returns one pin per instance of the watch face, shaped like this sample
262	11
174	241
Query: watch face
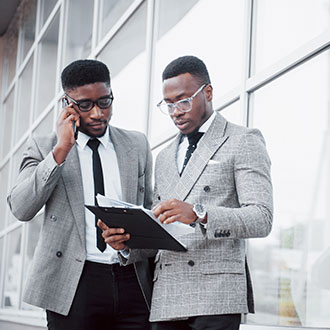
199	210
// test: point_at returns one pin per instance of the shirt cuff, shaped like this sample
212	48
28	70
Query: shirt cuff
56	162
124	253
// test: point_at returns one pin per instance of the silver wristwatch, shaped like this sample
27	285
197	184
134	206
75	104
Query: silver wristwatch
200	212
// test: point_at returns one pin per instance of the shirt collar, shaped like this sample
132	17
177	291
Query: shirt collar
207	124
83	139
203	128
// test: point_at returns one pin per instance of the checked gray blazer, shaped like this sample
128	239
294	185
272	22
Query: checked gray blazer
229	173
61	250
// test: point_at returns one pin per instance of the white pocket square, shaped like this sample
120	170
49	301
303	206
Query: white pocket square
212	161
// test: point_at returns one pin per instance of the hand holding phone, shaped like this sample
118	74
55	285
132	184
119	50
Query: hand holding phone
65	103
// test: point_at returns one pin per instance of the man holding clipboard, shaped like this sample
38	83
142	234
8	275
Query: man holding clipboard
215	176
75	276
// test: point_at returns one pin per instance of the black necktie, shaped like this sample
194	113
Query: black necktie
98	187
193	139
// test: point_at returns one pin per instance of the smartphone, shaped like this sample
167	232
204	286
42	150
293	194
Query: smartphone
65	103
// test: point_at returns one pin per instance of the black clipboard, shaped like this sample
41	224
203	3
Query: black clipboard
145	232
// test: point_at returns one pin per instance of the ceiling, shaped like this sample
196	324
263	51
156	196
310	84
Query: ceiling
7	11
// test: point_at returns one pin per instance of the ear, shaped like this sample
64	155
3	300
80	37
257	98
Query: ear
208	92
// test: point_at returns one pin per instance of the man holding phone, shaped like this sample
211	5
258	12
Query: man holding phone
75	276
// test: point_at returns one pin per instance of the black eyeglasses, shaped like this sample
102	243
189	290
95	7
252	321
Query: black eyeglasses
87	105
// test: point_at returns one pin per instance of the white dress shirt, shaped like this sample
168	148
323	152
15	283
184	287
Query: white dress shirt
182	149
112	189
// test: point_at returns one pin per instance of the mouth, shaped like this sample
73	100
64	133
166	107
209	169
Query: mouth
180	124
97	125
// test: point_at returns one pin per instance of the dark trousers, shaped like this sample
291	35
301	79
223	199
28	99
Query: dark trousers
207	322
108	297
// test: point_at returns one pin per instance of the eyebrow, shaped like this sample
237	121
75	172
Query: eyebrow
102	97
178	98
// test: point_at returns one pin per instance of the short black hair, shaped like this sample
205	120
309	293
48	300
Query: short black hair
84	72
187	64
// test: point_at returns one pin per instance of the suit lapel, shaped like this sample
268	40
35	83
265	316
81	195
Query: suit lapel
167	167
73	184
212	140
127	157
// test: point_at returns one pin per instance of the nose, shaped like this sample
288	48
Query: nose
96	112
176	112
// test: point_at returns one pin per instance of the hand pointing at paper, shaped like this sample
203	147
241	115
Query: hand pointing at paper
175	210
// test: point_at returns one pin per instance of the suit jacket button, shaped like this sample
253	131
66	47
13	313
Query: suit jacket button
53	218
207	188
158	197
141	189
59	254
191	263
217	233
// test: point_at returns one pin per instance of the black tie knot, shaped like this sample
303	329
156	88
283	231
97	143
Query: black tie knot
93	144
194	137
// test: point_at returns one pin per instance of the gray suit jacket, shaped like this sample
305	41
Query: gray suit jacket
229	173
61	250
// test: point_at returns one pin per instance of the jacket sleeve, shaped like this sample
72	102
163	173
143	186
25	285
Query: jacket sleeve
38	176
254	216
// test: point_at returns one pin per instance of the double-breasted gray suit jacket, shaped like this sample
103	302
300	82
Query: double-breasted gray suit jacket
229	173
61	250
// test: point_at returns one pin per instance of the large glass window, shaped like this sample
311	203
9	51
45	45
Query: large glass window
46	125
24	101
209	29
4	175
47	67
7	124
11	53
78	35
28	26
46	6
290	268
126	57
111	11
233	113
12	266
282	26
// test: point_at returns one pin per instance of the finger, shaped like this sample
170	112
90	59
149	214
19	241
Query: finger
116	239
71	118
78	121
166	214
102	225
66	112
118	247
161	208
63	113
113	231
156	211
171	219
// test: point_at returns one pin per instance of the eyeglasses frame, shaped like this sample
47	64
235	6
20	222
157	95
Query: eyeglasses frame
174	105
77	103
